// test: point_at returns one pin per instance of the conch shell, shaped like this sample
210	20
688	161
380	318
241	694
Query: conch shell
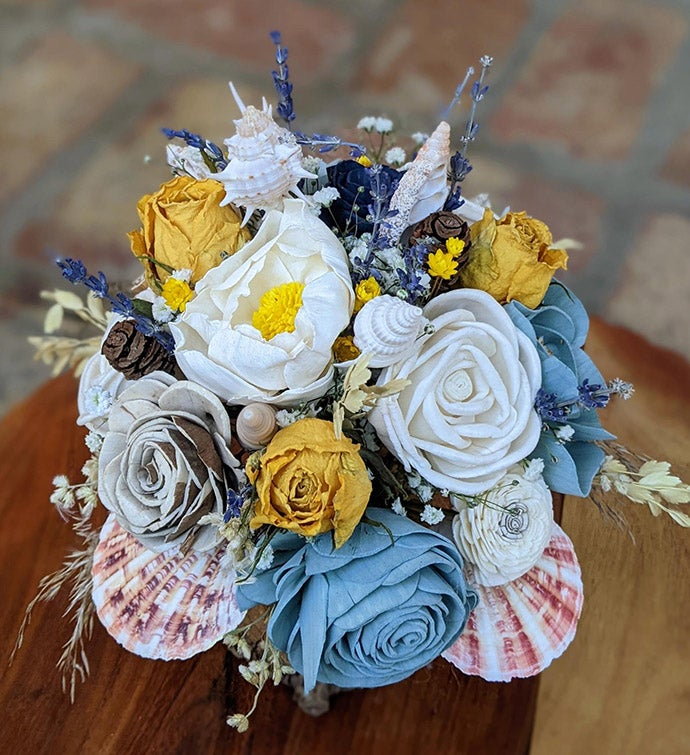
265	161
167	605
256	425
518	628
387	327
424	187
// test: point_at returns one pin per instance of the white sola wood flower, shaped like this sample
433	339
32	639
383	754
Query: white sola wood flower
467	413
505	535
262	324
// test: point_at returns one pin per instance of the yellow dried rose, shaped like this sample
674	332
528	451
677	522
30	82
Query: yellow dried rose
184	227
512	258
309	482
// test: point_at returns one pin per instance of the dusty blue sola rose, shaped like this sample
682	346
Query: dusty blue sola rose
373	612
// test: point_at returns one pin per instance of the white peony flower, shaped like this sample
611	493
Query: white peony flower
506	536
262	324
468	411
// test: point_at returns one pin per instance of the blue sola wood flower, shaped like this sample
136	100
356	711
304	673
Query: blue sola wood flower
558	328
373	612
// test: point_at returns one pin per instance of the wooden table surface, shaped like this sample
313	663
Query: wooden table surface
621	687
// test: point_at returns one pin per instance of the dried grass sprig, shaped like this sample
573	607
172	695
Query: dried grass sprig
640	479
76	569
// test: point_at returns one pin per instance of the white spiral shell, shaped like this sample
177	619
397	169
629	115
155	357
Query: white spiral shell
424	187
387	327
161	605
265	161
256	425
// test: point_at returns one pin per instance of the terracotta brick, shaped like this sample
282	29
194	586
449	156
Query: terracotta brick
677	166
239	29
590	77
97	209
57	89
420	57
654	292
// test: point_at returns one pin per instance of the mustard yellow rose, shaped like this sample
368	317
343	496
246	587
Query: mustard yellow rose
310	482
184	228
512	259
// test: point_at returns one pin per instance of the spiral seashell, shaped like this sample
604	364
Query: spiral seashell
387	328
517	629
265	161
256	425
165	605
424	187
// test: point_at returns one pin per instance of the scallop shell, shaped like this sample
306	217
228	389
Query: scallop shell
387	328
424	187
265	161
517	629
256	425
161	605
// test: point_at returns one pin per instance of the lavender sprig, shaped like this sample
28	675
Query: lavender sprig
477	94
211	153
283	87
325	143
382	188
75	272
589	396
458	93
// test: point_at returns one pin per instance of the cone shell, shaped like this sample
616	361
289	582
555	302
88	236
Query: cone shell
517	629
161	605
424	187
387	327
256	425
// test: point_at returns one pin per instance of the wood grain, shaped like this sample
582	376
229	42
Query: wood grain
624	684
131	705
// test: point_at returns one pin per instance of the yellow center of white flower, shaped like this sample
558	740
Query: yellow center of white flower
277	310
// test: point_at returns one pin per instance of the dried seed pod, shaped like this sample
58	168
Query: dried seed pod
134	354
442	225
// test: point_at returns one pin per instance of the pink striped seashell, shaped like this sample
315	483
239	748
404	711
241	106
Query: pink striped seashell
161	605
517	629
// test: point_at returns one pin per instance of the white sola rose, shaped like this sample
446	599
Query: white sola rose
262	324
467	412
504	537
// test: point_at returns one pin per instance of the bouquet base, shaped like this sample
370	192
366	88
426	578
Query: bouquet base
314	703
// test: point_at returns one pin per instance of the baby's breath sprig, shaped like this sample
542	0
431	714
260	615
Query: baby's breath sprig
271	664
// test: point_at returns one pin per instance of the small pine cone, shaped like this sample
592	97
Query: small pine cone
134	354
442	225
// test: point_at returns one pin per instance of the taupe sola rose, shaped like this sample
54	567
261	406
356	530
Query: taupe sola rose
166	462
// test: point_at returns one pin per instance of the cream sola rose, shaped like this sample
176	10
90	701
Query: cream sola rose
467	413
504	536
263	323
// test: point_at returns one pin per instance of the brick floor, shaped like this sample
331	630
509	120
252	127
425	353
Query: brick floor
49	98
655	287
588	81
239	29
421	56
677	165
584	125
